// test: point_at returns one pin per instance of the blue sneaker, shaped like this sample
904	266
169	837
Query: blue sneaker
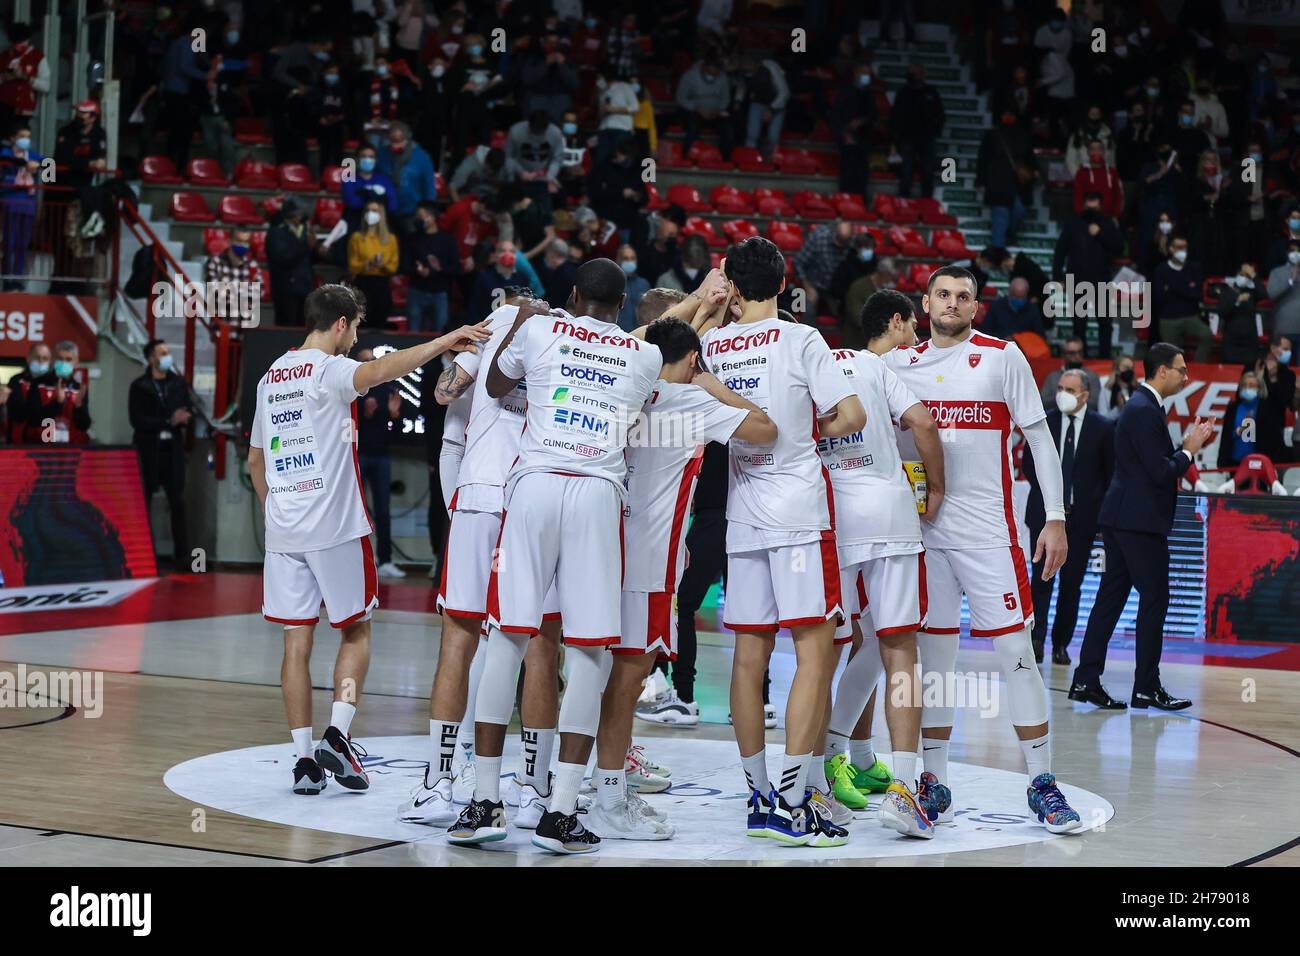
934	798
1048	803
759	808
787	824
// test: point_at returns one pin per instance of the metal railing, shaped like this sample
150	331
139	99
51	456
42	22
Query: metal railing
43	238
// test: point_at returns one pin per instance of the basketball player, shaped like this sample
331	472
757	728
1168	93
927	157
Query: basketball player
878	536
563	526
492	443
302	459
688	407
781	564
979	388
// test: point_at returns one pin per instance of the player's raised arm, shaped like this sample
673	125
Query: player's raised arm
756	427
452	384
404	361
501	382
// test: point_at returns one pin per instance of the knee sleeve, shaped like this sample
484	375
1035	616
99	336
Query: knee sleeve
496	690
860	677
589	669
1026	692
937	654
466	736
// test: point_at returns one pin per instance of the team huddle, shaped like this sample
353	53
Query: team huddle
868	490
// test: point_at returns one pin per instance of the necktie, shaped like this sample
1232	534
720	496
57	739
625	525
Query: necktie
1067	464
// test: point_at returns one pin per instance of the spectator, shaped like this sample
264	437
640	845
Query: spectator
431	121
182	92
687	275
1092	130
625	46
1209	113
588	49
159	407
379	408
1281	247
21	166
1054	35
220	100
861	261
57	410
557	272
916	122
503	274
525	224
1158	250
597	237
296	73
1278	391
767	93
1237	308
1119	388
852	335
24	78
1017	98
852	118
636	288
1014	314
618	107
1162	185
548	79
1085	248
81	153
373	258
1056	79
1097	176
1187	139
1176	295
1257	222
1135	147
429	259
821	254
289	246
484	168
328	106
1020	266
1003	167
537	145
660	253
643	123
409	167
1211	214
368	184
469	221
1240	434
413	22
20	401
898	11
475	83
703	98
1071	361
616	189
1284	291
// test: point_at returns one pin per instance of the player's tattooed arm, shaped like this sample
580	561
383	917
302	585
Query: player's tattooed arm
452	384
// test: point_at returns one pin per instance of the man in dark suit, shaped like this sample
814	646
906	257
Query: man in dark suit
1086	443
1137	515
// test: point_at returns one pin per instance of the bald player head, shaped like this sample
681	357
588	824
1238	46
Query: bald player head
598	290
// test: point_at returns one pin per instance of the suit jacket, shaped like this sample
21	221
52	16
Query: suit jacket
1144	492
1094	465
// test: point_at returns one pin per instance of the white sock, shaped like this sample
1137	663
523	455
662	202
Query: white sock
611	788
905	769
934	757
794	778
302	741
568	778
341	715
442	734
487	778
536	746
756	772
836	744
817	779
1038	755
860	754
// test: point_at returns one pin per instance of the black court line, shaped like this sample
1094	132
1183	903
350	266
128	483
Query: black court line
68	711
366	849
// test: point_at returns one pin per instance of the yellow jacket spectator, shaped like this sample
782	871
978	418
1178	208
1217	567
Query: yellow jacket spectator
373	257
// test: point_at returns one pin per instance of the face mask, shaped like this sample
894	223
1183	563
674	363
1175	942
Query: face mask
38	368
232	37
458	29
165	363
570	129
476	50
1285	357
1153	91
321	55
23	143
1211	169
1166	227
239	250
1293	225
1058	26
1185	119
1017	303
590	23
1248	394
366	164
866	255
1257	158
709	77
1121	51
507	259
1245	282
1180	256
629	266
331	79
372	218
636	87
1096	158
437	71
1126	376
396	147
1293	257
1145	31
864	81
381	70
63	368
1066	402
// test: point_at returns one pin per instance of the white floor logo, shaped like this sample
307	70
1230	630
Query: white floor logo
75	909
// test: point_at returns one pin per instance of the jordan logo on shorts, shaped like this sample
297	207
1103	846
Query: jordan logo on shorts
1020	665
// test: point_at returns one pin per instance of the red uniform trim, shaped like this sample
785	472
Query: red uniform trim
987	341
356	467
349	620
493	596
685	488
291	621
1008	512
372	576
805	621
922	591
468	615
591	641
514	629
941	630
553	616
751	628
998	631
831	574
901	629
1022	580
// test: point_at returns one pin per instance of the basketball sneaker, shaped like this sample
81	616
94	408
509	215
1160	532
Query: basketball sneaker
842	775
874	779
670	709
462	787
823	830
769	716
901	812
564	834
622	822
841	815
786	824
640	778
658	769
340	756
642	806
654	688
759	808
1048	803
483	821
531	802
934	798
308	777
430	804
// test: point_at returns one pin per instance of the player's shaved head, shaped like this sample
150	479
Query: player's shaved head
655	302
675	338
600	282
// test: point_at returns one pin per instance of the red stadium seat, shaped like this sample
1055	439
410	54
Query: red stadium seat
932	214
190	207
672	157
688	197
251	174
764	192
812	205
250	129
215	241
239	210
654	201
738	204
257	245
698	226
331	179
399	285
883	246
909	241
895	210
920	273
951	244
853	210
328	212
708	156
772	206
738	230
750	160
796	162
717	192
296	177
159	171
1255	475
206	172
787	236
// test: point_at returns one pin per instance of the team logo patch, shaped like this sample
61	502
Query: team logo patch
974	359
915	359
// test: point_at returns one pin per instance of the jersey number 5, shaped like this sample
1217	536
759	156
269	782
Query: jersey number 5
1009	599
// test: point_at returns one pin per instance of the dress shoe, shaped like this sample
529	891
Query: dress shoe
1095	694
1060	656
1038	653
1160	698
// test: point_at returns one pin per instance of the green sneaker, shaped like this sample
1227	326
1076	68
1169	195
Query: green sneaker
841	774
875	779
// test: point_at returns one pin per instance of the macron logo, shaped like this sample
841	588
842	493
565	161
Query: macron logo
742	342
276	375
561	327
